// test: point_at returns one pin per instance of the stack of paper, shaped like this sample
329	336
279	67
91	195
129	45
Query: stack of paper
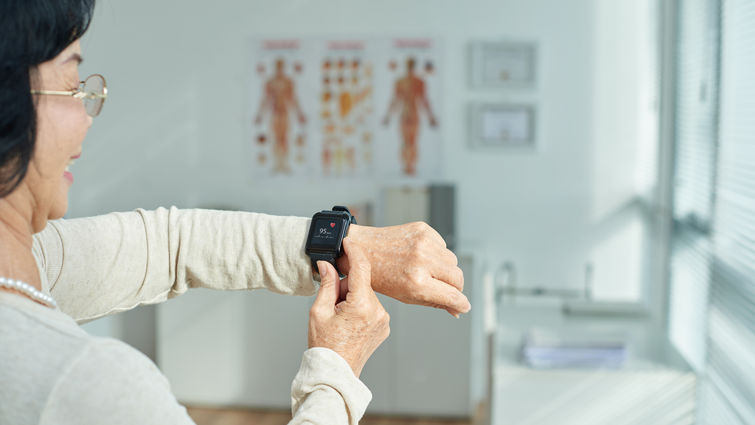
542	349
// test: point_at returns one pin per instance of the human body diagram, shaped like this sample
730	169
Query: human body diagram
410	98
280	99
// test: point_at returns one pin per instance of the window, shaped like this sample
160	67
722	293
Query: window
712	309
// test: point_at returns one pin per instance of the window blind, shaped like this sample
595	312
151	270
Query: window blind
696	109
694	175
728	395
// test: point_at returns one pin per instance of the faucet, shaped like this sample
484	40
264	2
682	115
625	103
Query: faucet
508	270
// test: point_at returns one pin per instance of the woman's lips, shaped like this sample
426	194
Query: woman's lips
67	174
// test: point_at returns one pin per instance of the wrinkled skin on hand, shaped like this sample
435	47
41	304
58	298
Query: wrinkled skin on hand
355	326
411	263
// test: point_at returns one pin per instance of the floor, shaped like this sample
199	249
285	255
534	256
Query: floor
208	416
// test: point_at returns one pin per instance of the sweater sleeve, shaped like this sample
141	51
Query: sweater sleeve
326	391
110	263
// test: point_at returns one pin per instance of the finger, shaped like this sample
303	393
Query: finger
359	267
453	313
446	256
451	275
328	293
436	236
441	295
343	289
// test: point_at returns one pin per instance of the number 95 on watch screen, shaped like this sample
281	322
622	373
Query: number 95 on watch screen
326	233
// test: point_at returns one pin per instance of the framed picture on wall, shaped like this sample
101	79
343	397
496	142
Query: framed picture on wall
503	64
502	126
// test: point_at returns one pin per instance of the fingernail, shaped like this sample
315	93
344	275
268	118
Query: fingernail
322	269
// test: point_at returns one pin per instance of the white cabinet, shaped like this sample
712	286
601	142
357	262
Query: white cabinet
232	348
423	368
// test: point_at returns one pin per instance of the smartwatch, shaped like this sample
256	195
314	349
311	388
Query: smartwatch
326	233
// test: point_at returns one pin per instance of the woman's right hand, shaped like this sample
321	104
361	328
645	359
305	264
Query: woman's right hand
355	326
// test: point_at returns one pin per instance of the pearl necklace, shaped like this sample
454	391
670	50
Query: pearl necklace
29	290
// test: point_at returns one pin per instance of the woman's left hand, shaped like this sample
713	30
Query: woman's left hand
411	263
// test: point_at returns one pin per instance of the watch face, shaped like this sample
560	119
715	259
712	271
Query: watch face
326	233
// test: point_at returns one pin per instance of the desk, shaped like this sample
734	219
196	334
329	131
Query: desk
644	392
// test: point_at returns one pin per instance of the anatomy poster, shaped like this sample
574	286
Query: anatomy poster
408	101
345	108
280	121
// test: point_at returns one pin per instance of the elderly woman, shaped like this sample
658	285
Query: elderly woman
56	272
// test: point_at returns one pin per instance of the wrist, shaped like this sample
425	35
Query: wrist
356	232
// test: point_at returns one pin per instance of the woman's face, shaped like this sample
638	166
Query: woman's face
62	124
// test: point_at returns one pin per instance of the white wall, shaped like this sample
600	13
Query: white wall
173	129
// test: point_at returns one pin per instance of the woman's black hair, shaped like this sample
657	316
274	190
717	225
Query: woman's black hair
31	32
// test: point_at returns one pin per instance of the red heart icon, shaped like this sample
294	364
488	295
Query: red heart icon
332	225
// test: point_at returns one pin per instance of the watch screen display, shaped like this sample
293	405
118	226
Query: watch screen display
326	233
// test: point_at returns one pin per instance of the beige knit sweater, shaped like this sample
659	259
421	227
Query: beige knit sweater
53	372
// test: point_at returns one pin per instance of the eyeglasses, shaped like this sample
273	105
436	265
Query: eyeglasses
93	91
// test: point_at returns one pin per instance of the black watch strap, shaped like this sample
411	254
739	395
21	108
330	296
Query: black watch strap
314	257
352	219
323	257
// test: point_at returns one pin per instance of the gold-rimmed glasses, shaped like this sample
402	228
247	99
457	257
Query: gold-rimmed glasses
93	92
